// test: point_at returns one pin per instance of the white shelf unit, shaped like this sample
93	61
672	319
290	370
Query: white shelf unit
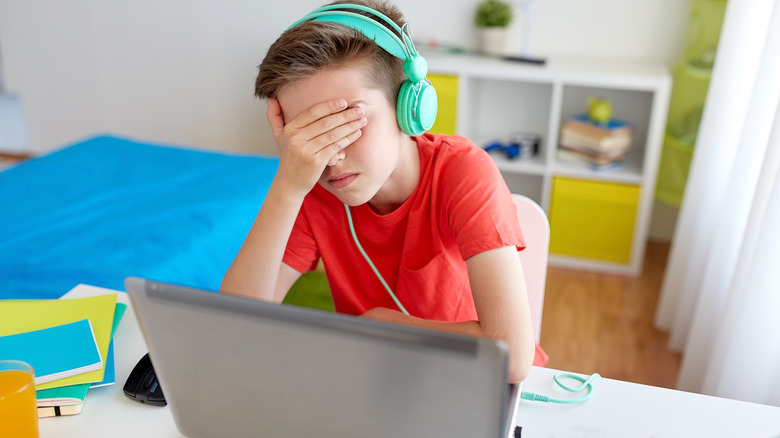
496	98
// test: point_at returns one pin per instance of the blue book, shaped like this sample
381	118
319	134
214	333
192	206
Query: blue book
611	125
109	377
55	352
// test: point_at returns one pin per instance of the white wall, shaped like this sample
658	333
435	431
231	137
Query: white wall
182	71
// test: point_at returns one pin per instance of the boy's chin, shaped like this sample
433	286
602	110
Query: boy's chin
354	201
351	199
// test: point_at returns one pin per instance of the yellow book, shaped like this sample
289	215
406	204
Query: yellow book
19	316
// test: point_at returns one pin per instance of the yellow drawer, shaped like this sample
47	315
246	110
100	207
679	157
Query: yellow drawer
447	91
593	220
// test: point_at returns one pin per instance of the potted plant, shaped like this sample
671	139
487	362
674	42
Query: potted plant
491	20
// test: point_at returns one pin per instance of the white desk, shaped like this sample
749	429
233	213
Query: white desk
617	409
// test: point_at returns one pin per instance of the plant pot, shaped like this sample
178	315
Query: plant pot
491	39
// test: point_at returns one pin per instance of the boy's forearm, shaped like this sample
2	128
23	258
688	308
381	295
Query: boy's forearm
467	328
255	270
519	365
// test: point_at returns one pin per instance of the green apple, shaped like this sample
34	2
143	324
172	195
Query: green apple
599	109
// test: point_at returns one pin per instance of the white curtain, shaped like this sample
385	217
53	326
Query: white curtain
720	298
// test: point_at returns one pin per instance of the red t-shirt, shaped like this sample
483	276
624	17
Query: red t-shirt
461	207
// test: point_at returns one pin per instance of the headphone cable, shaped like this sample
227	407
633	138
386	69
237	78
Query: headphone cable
587	383
370	263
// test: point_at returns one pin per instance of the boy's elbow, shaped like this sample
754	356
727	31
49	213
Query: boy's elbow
521	359
518	372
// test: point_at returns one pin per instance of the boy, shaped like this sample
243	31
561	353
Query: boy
412	229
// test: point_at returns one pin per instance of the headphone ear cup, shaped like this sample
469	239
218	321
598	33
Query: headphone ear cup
404	108
417	107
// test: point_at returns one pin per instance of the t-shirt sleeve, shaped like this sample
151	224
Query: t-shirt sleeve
301	252
479	209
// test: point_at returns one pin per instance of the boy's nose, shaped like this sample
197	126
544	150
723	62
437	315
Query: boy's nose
336	158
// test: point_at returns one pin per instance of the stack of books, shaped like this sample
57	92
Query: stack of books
602	146
68	342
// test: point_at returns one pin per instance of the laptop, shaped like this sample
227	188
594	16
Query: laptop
231	366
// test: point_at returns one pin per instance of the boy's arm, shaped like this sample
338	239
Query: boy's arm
258	270
307	143
498	286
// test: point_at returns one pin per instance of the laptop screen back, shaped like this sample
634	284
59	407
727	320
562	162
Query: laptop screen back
231	366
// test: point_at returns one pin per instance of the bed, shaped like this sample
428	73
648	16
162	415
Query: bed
108	207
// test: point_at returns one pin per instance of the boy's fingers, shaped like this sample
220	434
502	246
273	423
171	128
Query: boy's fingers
333	128
341	144
317	112
341	136
274	116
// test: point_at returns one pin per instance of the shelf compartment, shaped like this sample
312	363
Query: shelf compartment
633	106
526	185
534	165
503	107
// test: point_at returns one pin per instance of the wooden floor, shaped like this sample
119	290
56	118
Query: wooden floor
603	323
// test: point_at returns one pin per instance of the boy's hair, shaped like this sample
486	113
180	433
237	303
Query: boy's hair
313	46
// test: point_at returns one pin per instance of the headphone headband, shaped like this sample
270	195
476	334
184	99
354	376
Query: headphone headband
400	47
416	107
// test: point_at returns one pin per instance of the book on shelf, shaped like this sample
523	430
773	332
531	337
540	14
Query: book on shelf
579	131
614	126
594	156
55	352
595	164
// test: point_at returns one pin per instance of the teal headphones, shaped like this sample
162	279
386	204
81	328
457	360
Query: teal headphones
416	108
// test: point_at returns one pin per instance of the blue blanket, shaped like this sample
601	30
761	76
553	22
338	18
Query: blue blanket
106	208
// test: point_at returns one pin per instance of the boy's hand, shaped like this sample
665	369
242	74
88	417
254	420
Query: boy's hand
313	139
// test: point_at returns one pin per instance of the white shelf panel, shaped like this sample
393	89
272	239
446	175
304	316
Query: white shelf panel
630	173
593	265
606	73
532	166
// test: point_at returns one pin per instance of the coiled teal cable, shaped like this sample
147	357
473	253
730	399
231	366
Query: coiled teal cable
586	384
370	263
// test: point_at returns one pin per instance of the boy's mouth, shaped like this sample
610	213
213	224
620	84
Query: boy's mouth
343	180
